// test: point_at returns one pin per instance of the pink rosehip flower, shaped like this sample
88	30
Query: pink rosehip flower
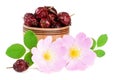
48	56
79	55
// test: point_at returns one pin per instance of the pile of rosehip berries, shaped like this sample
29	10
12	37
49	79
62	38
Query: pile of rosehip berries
47	17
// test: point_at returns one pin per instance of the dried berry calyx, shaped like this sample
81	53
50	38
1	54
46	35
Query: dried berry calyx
20	65
52	17
51	9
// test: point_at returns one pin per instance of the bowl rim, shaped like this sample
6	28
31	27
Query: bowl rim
45	29
48	31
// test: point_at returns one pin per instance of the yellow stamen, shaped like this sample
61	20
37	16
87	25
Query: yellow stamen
74	53
47	56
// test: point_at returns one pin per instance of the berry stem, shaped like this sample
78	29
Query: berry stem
12	67
9	67
72	14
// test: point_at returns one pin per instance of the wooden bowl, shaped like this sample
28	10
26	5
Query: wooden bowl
41	33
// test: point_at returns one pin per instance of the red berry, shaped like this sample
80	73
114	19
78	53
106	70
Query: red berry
28	15
20	65
45	23
64	18
41	12
30	20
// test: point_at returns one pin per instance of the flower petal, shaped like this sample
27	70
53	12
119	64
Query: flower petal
80	37
68	40
83	41
76	65
60	63
44	68
87	43
40	44
88	58
47	42
34	50
58	42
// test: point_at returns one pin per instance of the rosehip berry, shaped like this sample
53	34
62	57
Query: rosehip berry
41	12
20	65
28	15
45	23
64	18
30	20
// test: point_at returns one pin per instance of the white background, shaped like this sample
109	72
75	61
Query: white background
93	17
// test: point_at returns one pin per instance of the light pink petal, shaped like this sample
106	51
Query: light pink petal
47	42
60	51
34	50
83	41
88	58
35	59
42	65
58	47
56	65
40	44
59	61
59	42
68	40
80	37
44	68
76	65
81	66
59	64
87	43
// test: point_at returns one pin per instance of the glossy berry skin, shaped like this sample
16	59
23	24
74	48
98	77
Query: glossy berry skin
64	18
45	23
28	15
20	65
41	12
30	20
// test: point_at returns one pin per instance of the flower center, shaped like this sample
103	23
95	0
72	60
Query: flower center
47	56
74	53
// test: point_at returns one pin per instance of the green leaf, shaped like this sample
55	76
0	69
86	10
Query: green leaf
99	53
30	39
102	40
15	51
28	59
94	44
